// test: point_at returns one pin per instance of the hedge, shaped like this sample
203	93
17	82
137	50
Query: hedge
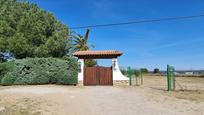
35	71
5	68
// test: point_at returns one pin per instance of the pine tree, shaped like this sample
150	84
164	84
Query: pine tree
28	31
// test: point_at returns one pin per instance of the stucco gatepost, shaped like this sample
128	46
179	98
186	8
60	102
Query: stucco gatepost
80	71
118	77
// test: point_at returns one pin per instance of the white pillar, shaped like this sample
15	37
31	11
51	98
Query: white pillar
117	75
81	71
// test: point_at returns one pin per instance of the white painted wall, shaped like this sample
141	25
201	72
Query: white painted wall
117	75
81	73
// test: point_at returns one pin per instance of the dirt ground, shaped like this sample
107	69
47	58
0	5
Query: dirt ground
149	99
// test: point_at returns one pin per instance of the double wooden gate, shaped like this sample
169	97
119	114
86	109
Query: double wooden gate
98	76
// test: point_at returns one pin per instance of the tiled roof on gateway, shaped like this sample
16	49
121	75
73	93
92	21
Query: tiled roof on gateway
99	53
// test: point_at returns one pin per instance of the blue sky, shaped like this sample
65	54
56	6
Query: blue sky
151	45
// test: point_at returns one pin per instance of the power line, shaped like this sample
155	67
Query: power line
139	21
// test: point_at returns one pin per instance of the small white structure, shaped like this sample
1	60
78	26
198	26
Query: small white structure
117	75
81	71
116	78
189	73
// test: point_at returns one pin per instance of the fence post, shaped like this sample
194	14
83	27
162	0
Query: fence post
174	79
141	77
168	79
171	80
130	75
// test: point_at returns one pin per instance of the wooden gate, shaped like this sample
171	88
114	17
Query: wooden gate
98	76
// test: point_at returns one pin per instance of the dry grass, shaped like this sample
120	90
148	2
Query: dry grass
151	97
24	106
193	95
189	88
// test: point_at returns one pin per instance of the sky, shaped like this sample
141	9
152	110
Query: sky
151	45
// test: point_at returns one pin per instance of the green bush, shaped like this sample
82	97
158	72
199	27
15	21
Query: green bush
136	72
8	79
5	68
90	63
33	71
144	70
156	70
2	59
123	71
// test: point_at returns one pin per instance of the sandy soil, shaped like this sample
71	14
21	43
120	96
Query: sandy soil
149	99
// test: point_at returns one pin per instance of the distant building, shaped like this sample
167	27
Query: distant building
189	73
185	72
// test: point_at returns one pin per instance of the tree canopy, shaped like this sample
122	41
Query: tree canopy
28	31
144	70
156	70
81	44
2	59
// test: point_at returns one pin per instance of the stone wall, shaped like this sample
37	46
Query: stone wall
80	83
115	83
121	82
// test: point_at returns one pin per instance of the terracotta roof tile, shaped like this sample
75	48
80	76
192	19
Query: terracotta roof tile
102	53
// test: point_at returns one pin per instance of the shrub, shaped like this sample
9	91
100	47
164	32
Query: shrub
5	68
8	79
2	58
123	71
144	70
156	70
136	72
90	62
33	71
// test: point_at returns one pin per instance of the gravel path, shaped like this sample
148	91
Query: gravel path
96	100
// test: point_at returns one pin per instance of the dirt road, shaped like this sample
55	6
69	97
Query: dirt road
96	100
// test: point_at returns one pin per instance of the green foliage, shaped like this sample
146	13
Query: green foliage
124	72
8	79
81	42
42	71
156	70
136	72
2	58
90	62
5	68
28	31
144	70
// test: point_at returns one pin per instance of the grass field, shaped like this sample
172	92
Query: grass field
150	98
191	88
